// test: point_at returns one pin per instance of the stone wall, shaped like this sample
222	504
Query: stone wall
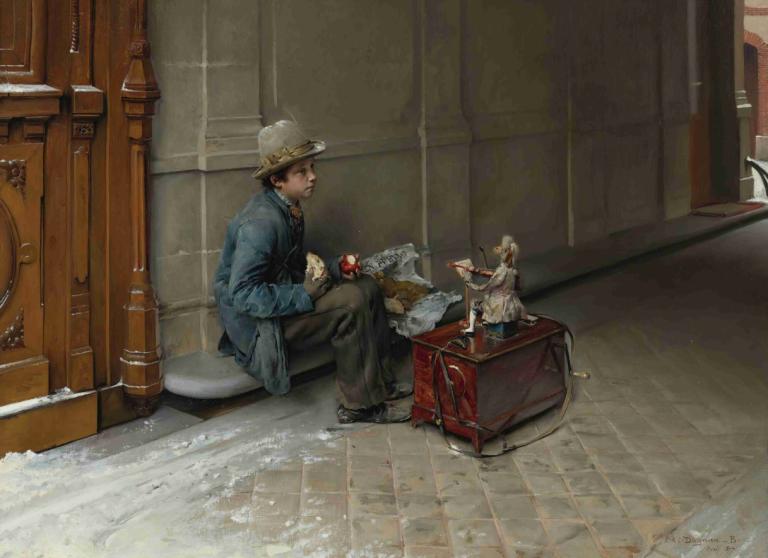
448	122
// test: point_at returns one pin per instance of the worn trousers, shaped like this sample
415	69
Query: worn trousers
352	318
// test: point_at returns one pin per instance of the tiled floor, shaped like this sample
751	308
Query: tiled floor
673	415
591	489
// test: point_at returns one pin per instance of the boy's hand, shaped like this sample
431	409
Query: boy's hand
316	287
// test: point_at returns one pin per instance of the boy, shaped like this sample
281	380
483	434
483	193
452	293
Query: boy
267	305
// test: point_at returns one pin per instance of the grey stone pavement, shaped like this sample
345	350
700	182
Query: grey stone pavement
663	452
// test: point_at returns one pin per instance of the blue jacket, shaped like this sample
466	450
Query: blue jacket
258	281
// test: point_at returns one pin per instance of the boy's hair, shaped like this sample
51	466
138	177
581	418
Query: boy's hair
279	175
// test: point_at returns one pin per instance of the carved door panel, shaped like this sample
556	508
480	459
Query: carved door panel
23	369
22	40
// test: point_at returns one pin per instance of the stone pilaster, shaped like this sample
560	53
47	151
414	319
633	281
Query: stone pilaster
445	139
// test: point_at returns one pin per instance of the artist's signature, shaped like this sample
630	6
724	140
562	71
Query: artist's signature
725	543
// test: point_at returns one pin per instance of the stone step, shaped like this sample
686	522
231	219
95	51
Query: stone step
202	375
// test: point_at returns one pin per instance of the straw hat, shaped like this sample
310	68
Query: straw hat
281	144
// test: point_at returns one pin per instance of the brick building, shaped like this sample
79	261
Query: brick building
756	71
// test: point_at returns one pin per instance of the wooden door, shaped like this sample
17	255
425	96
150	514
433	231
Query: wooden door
66	180
25	105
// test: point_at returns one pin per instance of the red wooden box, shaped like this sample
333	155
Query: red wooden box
496	382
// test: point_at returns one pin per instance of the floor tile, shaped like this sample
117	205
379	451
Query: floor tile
375	446
648	507
332	505
420	481
277	481
501	464
715	482
679	485
367	503
324	477
519	506
478	553
659	462
600	506
531	463
601	442
687	443
275	530
370	462
564	438
623	462
411	463
571	539
371	552
556	507
546	483
321	535
595	425
473	532
457	483
410	447
427	552
523	533
587	483
618	534
644	444
466	506
453	464
630	427
375	532
424	532
414	505
628	484
687	505
268	504
504	483
371	480
569	461
523	552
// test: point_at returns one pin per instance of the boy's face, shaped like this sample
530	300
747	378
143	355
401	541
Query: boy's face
300	180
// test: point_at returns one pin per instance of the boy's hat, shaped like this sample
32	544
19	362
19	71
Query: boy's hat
281	144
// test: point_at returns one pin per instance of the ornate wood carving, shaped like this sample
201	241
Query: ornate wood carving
16	173
13	336
23	366
74	35
83	129
141	357
9	240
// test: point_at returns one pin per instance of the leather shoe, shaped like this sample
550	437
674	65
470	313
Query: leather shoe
379	414
397	391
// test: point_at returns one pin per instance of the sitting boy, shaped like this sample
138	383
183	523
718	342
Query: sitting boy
268	307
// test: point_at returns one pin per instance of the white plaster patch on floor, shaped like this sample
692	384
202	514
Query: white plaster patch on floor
147	501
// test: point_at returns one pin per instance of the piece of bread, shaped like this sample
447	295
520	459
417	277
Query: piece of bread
316	267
